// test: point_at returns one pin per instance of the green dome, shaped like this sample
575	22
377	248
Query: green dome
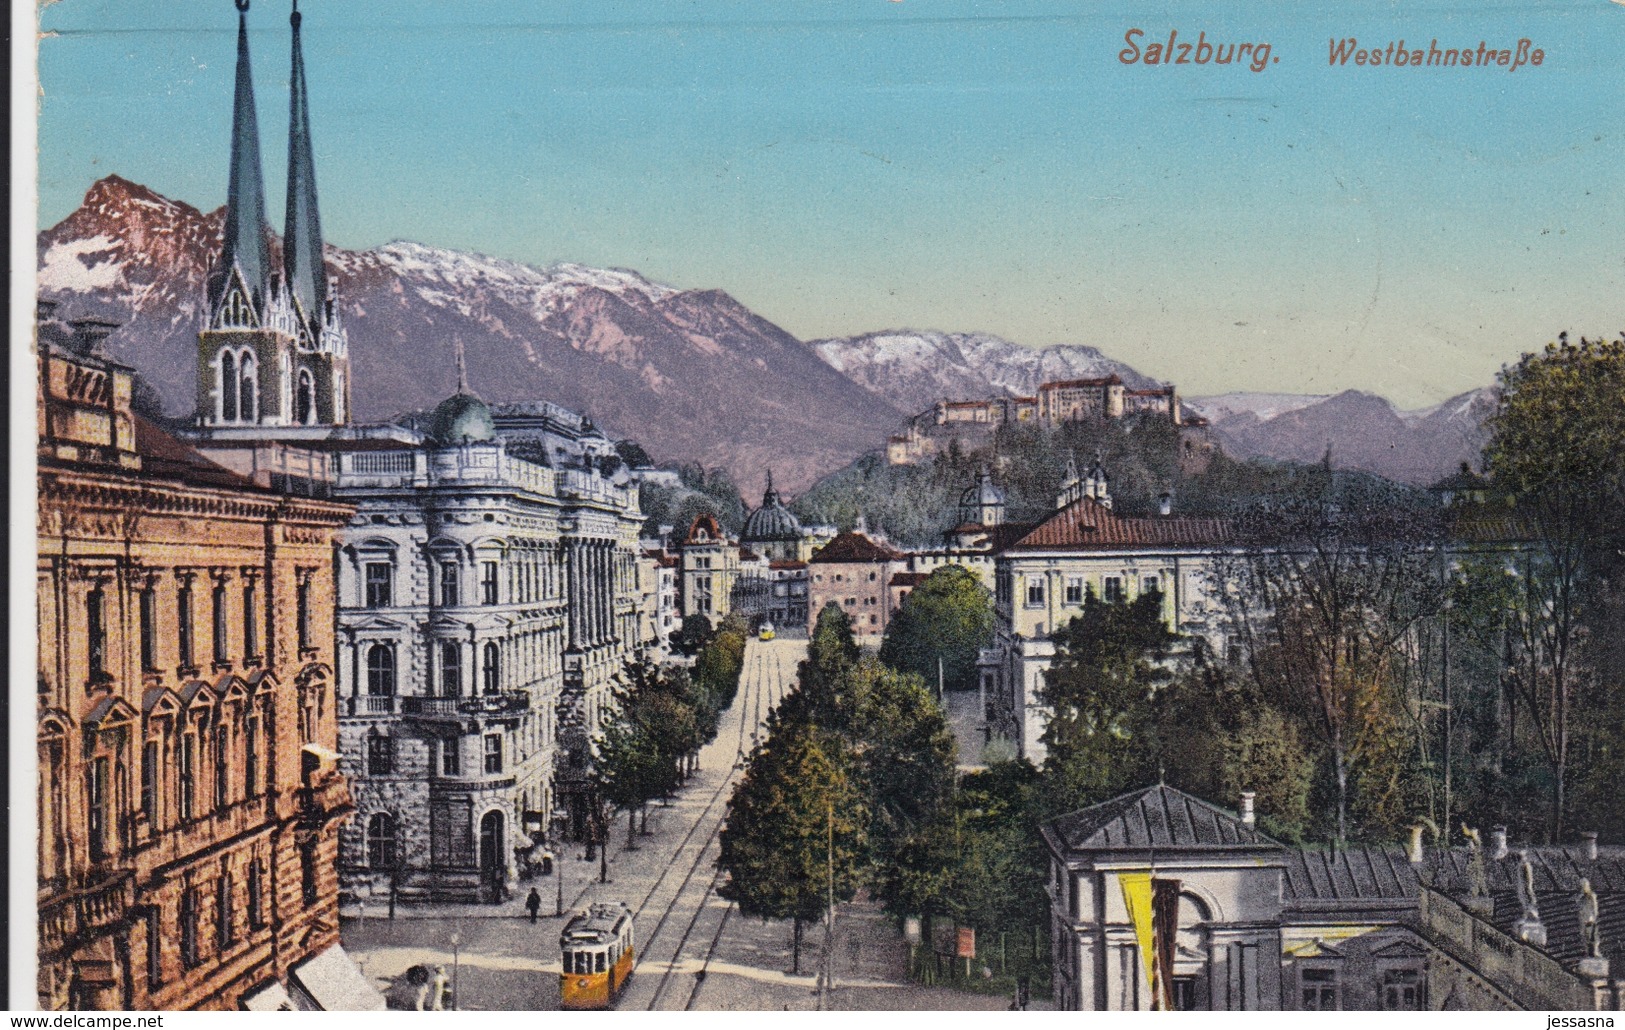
461	418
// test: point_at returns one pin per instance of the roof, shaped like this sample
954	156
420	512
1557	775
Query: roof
1161	391
165	457
772	521
1086	524
787	563
1156	817
1360	872
707	523
854	547
461	418
1065	384
909	579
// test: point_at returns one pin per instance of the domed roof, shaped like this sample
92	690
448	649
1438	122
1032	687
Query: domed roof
461	418
982	493
772	521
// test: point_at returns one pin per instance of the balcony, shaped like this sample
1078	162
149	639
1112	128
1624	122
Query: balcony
507	702
372	704
66	917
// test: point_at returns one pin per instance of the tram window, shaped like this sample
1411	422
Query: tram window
583	961
598	965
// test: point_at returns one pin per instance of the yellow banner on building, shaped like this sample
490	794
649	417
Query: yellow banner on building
1137	896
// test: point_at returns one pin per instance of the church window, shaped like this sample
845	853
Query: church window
228	386
248	389
381	852
448	584
451	669
96	634
379	574
305	412
380	670
488	582
491	668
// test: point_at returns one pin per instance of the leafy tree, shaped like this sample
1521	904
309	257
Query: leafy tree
795	826
824	677
948	619
691	635
633	454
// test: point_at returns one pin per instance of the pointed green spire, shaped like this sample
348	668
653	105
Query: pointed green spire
302	240
245	245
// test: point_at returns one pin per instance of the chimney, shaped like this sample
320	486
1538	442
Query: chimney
1165	503
1589	838
1247	816
89	333
1498	842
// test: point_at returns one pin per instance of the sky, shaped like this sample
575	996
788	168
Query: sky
849	166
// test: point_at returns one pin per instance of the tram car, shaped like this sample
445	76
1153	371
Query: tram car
766	632
596	956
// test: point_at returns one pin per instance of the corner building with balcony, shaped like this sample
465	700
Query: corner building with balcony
189	797
486	602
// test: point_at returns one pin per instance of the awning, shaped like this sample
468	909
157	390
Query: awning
273	997
332	980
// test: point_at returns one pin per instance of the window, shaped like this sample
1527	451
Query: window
256	896
381	670
1150	585
251	757
451	763
251	637
189	952
1074	590
1185	994
96	797
305	406
183	623
451	669
302	612
379	592
380	755
1402	990
228	387
1112	589
149	628
222	765
149	783
307	874
96	634
220	655
223	915
246	406
155	948
448	584
1319	989
488	582
491	668
381	851
1035	590
493	752
188	772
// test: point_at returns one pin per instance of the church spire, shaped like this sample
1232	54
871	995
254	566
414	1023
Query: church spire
245	247
302	239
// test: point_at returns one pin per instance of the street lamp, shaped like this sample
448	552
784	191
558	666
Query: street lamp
456	943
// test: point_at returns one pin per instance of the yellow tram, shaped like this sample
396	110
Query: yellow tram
597	954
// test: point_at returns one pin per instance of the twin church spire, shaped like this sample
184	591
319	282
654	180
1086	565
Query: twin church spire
243	277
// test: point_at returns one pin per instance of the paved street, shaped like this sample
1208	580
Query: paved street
694	949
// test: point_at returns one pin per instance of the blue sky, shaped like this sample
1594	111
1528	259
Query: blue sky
853	165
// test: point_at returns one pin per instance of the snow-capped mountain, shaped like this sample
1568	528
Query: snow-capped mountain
1362	431
913	370
693	375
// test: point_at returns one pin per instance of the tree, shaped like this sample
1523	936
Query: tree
691	635
824	677
947	619
795	827
1557	444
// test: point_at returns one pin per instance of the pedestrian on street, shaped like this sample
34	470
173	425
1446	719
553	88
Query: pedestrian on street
534	903
441	982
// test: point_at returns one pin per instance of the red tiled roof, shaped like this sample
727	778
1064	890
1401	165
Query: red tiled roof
854	547
165	457
909	579
1086	524
708	522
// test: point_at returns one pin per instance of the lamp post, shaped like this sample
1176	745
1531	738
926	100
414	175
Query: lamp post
456	944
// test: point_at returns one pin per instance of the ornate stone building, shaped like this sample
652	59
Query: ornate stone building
486	603
855	573
189	800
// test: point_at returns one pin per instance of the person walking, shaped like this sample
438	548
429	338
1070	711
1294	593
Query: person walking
534	903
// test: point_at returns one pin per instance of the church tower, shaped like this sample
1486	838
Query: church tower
273	353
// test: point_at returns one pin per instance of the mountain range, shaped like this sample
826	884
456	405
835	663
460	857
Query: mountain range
693	375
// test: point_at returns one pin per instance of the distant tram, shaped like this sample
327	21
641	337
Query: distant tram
596	952
766	632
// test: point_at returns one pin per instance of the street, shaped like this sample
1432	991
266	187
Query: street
694	950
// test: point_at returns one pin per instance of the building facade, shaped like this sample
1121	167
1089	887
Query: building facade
189	795
854	573
486	603
1160	900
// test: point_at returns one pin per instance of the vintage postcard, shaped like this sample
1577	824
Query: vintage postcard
877	504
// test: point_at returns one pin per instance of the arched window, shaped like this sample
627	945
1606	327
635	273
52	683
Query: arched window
228	386
381	671
491	668
248	389
381	850
305	411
